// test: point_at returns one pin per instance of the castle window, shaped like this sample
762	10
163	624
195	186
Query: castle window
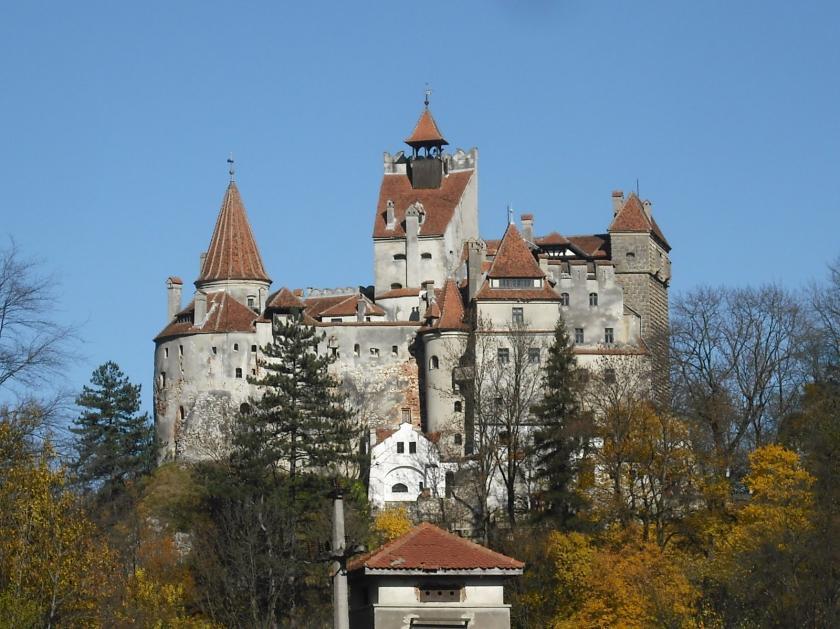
434	363
254	349
181	414
458	439
162	379
399	256
239	372
252	302
458	406
406	415
356	349
609	337
334	351
166	352
396	286
534	355
503	355
244	408
630	255
518	315
236	347
399	488
214	350
583	375
450	483
374	352
394	350
426	256
579	335
181	351
335	320
564	299
412	447
400	447
609	376
517	282
593	299
253	372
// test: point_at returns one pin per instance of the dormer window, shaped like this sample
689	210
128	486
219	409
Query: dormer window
516	282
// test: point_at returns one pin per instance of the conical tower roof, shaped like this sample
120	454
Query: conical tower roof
233	252
426	132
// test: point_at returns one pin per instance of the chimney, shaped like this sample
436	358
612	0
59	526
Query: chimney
263	297
200	308
648	208
390	219
361	308
173	296
201	258
476	251
617	201
412	246
528	227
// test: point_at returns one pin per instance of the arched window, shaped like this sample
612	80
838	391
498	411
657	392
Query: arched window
399	488
434	363
396	286
356	349
236	347
426	256
244	408
239	372
564	299
593	299
458	406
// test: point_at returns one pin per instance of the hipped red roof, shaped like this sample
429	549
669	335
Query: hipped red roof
514	257
633	218
425	132
233	252
224	314
284	299
428	548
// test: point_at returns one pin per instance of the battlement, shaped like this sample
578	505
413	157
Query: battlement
396	164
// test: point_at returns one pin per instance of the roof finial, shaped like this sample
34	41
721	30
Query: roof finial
510	214
428	93
231	169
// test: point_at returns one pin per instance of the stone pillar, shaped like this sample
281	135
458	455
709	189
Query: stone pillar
476	250
173	296
200	308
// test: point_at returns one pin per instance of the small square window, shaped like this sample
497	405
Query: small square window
534	355
609	337
412	447
236	347
518	315
400	447
374	352
406	415
214	350
458	439
238	372
254	349
335	320
503	355
394	350
579	335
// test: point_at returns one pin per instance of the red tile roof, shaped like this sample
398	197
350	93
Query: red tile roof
439	203
425	131
316	305
284	299
554	238
224	314
428	548
452	307
633	218
347	308
514	257
591	246
174	279
399	292
233	252
486	293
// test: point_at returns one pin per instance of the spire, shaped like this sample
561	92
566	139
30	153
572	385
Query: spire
426	132
233	252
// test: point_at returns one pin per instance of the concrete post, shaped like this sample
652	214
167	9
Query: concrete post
341	614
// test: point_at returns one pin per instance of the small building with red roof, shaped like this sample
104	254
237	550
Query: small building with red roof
430	578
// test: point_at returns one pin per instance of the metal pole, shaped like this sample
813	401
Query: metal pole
341	615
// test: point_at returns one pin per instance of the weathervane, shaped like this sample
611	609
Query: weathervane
428	93
510	214
231	169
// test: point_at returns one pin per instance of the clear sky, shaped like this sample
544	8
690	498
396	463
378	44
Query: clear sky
117	119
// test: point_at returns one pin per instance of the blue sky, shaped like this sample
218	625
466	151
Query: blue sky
117	119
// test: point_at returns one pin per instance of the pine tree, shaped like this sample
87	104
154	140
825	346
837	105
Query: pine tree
562	433
115	442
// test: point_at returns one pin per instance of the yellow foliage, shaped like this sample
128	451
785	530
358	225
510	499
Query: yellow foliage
390	524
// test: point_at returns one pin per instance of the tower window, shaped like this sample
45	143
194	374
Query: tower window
394	350
609	337
450	483
399	256
254	349
426	256
406	415
593	299
400	447
166	352
252	301
518	315
399	488
434	363
412	447
181	351
236	347
396	286
238	372
374	352
162	379
503	355
356	349
458	406
213	350
244	408
579	335
534	355
458	439
564	299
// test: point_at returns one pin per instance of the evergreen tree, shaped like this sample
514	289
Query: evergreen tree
291	443
562	430
115	442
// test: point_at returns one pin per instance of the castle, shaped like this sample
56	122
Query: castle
399	343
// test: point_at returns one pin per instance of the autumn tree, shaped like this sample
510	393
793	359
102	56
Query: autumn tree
115	441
